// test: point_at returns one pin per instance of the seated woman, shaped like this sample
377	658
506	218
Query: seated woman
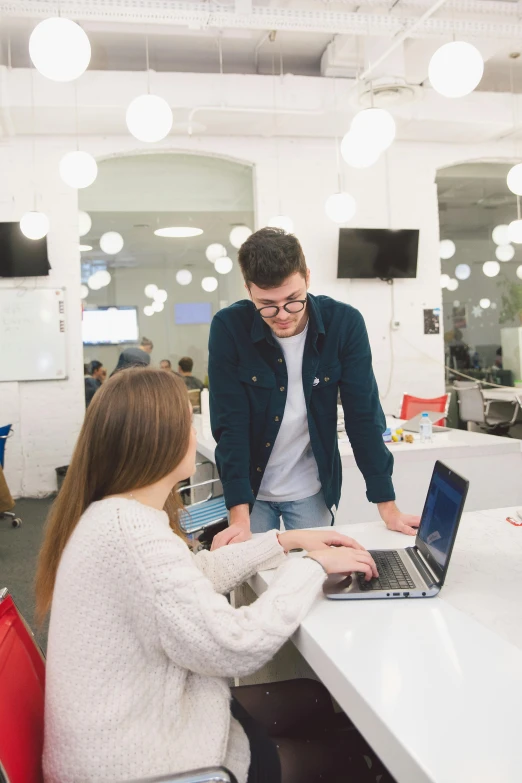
142	638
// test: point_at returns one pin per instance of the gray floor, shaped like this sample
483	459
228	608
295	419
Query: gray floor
18	552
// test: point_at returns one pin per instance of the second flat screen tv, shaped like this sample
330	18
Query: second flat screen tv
377	253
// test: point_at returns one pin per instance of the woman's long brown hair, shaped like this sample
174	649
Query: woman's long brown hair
136	431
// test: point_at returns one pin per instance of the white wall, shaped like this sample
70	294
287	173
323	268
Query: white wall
47	416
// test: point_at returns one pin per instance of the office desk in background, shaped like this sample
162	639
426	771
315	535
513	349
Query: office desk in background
493	466
434	685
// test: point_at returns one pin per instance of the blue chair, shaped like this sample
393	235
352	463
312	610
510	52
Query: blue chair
6	432
205	517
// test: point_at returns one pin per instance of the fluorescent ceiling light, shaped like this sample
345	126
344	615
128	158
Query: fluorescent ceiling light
178	231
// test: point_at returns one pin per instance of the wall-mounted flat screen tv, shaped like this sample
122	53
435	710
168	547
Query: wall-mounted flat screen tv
19	256
110	325
377	253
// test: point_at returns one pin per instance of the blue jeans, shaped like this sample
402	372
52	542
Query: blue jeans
309	512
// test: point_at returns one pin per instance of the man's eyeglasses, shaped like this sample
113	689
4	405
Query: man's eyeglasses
270	311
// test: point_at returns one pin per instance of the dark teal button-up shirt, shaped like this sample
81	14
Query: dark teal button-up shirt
248	387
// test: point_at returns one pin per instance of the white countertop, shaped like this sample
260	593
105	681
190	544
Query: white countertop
435	685
460	442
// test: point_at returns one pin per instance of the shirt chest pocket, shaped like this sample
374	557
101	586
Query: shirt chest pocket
258	384
325	389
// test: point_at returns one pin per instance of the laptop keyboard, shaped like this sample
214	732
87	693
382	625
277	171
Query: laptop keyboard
393	574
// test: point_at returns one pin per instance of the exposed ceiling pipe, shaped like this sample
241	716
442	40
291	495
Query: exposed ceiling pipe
498	8
503	22
401	38
251	110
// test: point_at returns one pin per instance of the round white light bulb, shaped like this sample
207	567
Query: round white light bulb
215	251
111	242
184	277
447	249
500	234
519	272
491	268
78	169
375	126
462	271
59	49
149	118
160	295
84	291
444	280
485	303
514	179
455	69
94	282
452	284
358	154
209	284
223	265
157	306
283	222
34	225
104	277
84	223
515	231
151	290
504	252
239	235
148	310
340	207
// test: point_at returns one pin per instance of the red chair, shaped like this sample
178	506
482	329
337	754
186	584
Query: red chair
22	679
411	406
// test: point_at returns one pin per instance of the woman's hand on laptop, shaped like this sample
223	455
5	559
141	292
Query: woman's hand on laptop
316	539
343	560
396	520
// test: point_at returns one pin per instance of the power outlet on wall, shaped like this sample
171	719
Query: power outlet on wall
395	325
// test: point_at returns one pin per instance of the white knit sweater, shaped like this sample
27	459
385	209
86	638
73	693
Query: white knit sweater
141	640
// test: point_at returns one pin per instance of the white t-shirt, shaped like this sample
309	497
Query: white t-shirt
291	473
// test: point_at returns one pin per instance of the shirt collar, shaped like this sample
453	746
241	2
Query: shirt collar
260	329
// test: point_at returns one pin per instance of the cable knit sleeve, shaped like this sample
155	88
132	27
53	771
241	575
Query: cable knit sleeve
231	565
198	628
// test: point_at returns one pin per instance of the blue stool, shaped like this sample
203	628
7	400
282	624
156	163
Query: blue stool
5	432
203	514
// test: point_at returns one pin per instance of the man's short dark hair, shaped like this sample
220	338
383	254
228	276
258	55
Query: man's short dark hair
95	365
167	361
270	256
186	364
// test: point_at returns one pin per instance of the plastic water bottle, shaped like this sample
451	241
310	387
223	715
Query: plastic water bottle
426	429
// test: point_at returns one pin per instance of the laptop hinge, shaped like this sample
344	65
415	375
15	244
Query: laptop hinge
422	566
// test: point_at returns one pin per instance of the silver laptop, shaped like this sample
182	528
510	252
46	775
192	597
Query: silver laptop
413	424
418	571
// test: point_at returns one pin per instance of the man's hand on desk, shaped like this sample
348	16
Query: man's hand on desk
396	520
238	529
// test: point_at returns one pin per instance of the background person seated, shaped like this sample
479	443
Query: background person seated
96	374
166	364
185	370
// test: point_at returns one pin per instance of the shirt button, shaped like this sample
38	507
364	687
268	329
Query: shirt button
281	388
260	470
280	361
254	378
267	445
326	379
276	418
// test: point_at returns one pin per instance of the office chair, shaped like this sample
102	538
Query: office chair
5	433
206	517
411	406
22	679
475	409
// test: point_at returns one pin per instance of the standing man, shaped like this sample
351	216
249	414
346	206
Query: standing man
276	365
146	345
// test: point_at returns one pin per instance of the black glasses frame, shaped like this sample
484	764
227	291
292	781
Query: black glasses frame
282	307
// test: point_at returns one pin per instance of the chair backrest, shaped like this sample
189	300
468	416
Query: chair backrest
411	406
4	434
22	678
465	385
471	405
195	397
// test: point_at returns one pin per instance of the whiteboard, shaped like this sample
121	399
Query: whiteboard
32	334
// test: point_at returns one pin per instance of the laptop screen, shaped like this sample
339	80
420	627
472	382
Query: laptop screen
441	517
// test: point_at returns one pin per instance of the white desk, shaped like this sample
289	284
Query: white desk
434	685
493	466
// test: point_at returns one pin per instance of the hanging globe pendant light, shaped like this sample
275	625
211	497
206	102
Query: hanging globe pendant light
59	49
